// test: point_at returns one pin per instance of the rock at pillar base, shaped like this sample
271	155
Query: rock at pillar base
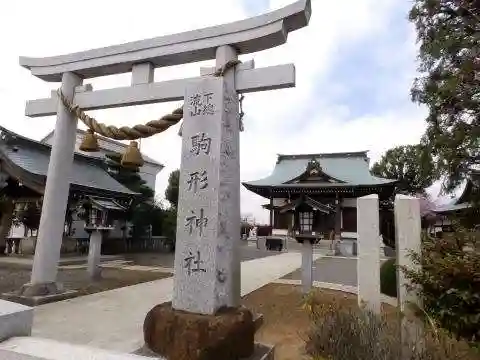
38	294
179	335
40	289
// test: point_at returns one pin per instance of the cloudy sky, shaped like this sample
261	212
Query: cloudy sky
355	63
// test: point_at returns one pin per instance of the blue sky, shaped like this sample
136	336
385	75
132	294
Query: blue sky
255	7
355	63
363	74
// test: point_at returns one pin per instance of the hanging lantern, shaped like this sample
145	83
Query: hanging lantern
132	158
89	142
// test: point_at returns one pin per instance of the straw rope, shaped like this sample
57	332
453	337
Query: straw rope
140	130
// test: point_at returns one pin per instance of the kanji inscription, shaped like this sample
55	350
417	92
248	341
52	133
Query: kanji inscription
196	222
201	104
198	180
200	143
193	263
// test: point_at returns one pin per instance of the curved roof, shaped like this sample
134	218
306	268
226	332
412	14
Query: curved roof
459	198
30	158
350	168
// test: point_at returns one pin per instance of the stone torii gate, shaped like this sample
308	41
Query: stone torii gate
207	267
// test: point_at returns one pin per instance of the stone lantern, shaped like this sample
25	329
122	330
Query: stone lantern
305	210
99	215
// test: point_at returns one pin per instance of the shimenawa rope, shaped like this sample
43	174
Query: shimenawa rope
140	130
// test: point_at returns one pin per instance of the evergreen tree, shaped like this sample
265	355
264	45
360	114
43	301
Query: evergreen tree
127	176
411	165
29	216
140	212
448	32
171	193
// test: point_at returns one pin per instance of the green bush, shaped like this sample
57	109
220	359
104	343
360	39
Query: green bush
388	278
448	282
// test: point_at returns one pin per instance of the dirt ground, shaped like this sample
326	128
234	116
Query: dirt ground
285	322
77	279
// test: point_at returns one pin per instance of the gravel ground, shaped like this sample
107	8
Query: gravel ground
77	279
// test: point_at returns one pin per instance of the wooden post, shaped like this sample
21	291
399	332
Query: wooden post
271	209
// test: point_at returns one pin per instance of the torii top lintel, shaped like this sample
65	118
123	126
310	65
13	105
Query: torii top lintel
250	35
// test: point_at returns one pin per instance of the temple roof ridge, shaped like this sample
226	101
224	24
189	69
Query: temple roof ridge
363	154
341	170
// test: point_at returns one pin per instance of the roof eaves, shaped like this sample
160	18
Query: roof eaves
316	185
281	157
317	204
44	146
46	137
77	157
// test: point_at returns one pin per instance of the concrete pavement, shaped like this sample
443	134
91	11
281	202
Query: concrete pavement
113	319
333	269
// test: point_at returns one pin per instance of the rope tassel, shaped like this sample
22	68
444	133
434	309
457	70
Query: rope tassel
89	142
132	158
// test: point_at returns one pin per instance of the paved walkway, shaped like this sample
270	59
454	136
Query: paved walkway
333	269
113	319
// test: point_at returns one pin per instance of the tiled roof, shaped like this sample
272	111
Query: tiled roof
351	168
452	207
33	157
107	204
117	147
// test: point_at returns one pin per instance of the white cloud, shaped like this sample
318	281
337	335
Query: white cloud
51	27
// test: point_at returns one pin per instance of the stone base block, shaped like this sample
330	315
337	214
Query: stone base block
263	352
260	352
15	320
38	294
178	335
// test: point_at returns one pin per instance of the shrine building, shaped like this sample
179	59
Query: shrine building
459	205
23	170
331	182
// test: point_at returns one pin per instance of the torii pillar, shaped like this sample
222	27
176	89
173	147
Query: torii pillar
207	265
